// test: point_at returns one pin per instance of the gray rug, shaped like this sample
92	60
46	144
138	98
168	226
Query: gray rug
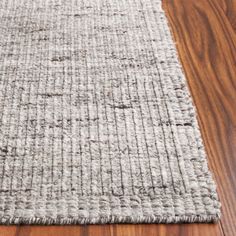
97	124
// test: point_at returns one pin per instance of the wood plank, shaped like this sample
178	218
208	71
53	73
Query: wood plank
113	230
204	31
205	34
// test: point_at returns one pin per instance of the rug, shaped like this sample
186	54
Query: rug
97	124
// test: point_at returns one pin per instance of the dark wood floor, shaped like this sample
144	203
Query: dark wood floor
205	32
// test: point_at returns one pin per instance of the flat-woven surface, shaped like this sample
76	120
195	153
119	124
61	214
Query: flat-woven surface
96	121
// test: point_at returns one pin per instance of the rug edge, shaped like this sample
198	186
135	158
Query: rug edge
110	220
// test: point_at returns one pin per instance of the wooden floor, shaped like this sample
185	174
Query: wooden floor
205	32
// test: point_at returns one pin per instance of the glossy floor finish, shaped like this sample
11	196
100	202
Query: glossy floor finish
204	31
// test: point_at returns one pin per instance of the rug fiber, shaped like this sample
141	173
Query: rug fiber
97	124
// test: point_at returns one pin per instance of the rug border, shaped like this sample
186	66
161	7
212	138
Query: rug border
109	220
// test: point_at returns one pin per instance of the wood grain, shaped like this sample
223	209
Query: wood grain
207	47
205	33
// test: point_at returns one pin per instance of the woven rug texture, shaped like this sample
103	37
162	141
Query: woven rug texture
96	120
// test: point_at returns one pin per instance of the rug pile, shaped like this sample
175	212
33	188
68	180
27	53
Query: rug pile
97	124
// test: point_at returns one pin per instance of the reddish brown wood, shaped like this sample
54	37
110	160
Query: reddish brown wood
206	40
